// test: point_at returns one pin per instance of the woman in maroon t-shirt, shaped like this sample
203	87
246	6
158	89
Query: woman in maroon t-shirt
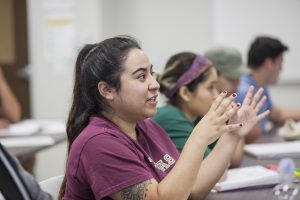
114	94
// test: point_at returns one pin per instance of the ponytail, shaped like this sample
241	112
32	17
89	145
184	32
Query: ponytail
95	62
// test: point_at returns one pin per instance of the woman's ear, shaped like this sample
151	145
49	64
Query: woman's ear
106	90
184	93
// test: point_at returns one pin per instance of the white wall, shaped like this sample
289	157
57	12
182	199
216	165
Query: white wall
286	95
164	28
238	22
51	88
51	84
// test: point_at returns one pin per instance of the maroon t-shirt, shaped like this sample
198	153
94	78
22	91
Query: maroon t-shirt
104	160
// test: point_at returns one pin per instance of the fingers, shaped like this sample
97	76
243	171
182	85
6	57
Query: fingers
223	106
260	104
263	115
257	97
232	128
218	100
248	97
229	114
252	100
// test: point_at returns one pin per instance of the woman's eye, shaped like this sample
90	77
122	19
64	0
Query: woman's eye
211	87
142	77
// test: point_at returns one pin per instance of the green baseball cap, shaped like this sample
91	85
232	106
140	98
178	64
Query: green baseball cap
227	61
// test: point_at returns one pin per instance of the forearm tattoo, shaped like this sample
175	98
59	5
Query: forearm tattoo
136	192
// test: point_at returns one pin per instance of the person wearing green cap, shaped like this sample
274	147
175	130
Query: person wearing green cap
228	63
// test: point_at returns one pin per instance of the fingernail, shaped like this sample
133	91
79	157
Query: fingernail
234	94
241	125
238	105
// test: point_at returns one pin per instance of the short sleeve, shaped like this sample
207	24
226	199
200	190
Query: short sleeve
112	164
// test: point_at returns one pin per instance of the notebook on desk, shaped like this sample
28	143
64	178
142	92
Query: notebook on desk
245	177
274	150
28	141
34	126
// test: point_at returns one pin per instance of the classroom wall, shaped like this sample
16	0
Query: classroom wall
237	23
163	27
51	82
51	71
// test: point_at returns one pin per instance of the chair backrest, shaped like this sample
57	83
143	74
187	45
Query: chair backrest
52	185
12	185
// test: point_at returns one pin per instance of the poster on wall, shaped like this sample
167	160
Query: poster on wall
59	33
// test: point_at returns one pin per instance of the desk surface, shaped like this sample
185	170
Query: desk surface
258	193
33	127
24	152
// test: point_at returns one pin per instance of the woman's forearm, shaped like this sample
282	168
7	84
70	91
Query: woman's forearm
10	107
179	182
238	154
214	165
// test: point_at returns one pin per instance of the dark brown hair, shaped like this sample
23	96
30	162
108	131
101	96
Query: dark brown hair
264	47
175	67
96	62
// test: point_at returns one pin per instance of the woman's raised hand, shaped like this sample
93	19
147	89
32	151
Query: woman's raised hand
248	113
213	124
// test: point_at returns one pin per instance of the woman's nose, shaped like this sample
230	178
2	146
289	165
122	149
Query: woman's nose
154	85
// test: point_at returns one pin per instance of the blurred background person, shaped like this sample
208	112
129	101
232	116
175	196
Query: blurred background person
10	109
265	60
10	112
228	63
190	101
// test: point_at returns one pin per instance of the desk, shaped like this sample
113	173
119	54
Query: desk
258	193
34	127
22	153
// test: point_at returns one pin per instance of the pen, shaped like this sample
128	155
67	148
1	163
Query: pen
275	168
272	167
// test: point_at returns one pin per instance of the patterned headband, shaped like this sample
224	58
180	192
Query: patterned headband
200	64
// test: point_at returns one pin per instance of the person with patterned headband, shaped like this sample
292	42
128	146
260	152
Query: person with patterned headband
117	152
189	81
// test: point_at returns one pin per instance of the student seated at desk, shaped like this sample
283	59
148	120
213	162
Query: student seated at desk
265	59
117	152
189	81
228	63
17	183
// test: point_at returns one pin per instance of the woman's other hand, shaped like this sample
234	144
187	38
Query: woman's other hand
248	113
213	124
